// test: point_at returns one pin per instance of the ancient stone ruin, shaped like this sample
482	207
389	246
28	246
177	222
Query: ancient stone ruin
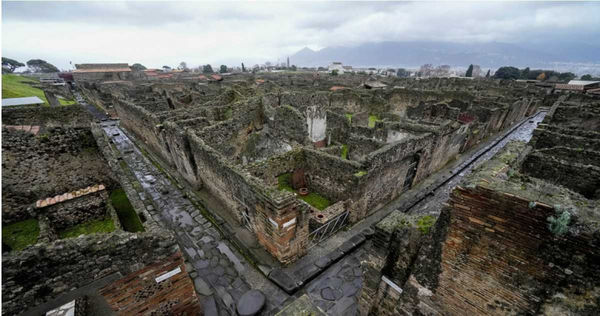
302	193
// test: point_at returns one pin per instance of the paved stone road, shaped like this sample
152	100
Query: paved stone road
220	274
432	205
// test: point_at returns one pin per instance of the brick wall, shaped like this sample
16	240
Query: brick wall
43	271
138	293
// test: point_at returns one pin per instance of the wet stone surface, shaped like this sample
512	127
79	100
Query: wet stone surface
336	290
219	270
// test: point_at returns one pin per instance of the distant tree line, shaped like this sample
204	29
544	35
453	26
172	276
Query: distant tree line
35	65
509	72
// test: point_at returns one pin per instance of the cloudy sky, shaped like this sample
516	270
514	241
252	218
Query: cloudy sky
161	33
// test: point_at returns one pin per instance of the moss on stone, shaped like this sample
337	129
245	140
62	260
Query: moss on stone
425	223
344	151
349	117
105	225
360	173
127	215
372	120
20	234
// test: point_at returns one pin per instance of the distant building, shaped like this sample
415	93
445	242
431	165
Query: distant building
102	72
585	84
336	65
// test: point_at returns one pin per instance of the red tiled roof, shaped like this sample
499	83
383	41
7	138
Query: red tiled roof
34	129
336	88
69	196
216	77
565	86
102	70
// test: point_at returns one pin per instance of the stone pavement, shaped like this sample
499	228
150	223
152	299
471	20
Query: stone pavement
220	274
336	291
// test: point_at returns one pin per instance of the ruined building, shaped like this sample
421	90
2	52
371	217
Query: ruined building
303	193
257	146
60	183
518	236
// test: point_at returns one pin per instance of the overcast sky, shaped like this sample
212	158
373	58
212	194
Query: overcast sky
160	33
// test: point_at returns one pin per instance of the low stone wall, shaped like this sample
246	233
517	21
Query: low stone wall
67	115
76	211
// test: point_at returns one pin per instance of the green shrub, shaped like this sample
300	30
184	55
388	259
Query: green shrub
559	225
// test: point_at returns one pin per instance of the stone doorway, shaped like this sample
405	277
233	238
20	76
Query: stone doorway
411	172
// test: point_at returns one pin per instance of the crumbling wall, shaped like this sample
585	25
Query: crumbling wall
41	272
55	161
67	115
76	211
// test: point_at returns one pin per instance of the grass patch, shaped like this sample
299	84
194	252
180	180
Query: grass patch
349	117
21	234
372	120
344	151
424	223
66	102
316	200
127	216
14	86
105	225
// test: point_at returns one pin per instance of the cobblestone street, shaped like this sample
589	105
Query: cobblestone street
220	274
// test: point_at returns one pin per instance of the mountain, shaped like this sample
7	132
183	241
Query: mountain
414	54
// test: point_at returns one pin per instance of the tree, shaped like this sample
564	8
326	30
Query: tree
488	73
542	76
402	73
507	72
334	72
39	65
138	67
166	68
426	70
207	69
294	68
182	66
243	68
469	71
566	76
525	73
9	65
223	69
584	77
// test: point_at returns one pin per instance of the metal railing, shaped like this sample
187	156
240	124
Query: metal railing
331	227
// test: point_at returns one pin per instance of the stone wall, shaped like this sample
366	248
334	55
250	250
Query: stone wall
55	161
76	211
42	272
67	115
491	251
